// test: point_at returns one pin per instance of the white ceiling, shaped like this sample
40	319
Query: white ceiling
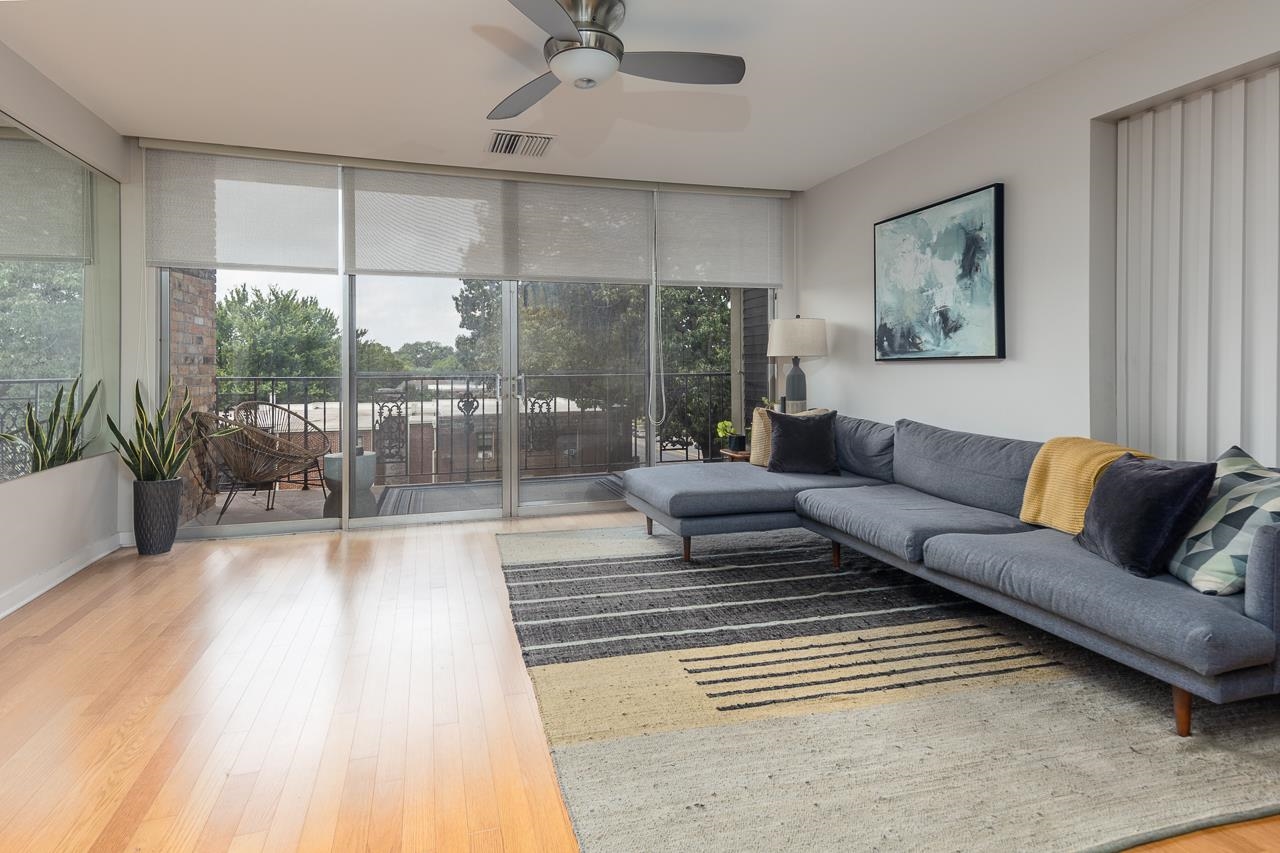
829	83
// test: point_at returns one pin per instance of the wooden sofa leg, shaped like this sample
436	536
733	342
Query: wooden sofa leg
1182	711
688	548
835	555
648	526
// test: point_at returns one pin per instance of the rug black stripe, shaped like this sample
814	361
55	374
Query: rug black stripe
733	613
742	706
832	655
758	676
665	582
863	676
661	642
808	646
611	610
673	560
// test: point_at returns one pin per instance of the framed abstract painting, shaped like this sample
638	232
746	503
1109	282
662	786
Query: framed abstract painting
939	287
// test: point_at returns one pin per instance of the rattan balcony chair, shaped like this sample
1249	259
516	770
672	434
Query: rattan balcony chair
246	457
284	422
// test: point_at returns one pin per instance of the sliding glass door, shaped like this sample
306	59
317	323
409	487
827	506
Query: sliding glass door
394	345
427	368
582	388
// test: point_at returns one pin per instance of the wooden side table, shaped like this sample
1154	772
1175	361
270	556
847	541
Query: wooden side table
736	455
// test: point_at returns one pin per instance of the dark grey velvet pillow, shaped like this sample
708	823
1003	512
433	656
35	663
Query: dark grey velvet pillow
1142	509
803	445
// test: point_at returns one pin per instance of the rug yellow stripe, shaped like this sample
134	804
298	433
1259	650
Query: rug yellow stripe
637	694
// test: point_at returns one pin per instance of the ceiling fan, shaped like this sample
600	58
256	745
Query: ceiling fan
584	51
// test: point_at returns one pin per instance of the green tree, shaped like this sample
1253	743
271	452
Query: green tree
567	330
376	357
276	333
479	306
41	320
696	335
430	357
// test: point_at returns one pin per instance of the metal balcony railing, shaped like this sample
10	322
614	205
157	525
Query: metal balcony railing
446	428
15	394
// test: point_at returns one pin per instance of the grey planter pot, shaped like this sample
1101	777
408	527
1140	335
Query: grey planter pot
156	504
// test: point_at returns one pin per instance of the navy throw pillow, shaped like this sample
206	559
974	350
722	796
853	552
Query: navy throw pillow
803	444
1142	509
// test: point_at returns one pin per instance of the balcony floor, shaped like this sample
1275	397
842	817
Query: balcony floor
308	504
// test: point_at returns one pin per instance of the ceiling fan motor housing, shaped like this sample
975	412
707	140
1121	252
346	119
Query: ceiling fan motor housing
586	64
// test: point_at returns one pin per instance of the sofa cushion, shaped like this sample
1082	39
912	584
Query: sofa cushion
1047	569
726	488
897	518
865	447
978	470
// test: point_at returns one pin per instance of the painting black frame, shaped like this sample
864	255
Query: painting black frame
997	275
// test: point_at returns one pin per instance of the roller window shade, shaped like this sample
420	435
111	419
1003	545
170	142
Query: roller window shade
209	211
45	204
450	226
726	240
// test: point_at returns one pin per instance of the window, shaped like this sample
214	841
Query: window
59	293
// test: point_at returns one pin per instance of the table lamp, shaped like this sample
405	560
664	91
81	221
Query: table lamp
797	338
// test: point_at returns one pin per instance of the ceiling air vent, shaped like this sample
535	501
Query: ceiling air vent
519	144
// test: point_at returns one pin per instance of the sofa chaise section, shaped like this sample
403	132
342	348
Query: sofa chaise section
697	500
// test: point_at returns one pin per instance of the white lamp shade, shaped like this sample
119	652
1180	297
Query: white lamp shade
584	67
790	337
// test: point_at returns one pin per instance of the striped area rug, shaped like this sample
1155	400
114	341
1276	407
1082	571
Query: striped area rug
759	698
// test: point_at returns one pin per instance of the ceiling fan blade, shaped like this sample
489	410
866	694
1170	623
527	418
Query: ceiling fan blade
679	67
524	97
550	16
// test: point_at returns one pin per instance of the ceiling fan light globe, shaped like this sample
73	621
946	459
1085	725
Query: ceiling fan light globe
584	67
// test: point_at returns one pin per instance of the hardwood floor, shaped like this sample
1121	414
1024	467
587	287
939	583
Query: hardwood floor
313	692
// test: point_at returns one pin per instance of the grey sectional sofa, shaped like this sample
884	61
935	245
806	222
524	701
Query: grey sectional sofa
943	506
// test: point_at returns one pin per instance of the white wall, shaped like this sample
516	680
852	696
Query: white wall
33	99
53	524
1044	145
57	522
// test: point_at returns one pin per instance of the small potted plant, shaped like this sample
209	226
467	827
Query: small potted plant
734	440
155	455
59	438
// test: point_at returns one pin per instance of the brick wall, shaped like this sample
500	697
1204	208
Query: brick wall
193	364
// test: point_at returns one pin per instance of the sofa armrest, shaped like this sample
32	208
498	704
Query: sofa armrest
1262	578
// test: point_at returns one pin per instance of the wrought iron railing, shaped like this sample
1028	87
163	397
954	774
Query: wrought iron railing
15	395
442	429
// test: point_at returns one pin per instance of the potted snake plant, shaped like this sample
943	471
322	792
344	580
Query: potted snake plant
58	439
155	455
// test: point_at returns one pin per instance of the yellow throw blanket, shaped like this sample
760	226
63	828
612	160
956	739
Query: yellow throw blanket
1062	480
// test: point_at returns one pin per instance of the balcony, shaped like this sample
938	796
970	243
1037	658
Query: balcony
438	440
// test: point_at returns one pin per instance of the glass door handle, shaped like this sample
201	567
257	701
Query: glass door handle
520	387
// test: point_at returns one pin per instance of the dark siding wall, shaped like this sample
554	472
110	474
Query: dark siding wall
755	343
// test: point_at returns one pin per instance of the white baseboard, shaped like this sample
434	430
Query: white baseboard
37	585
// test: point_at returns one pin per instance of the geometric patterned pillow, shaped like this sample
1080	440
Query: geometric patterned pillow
1245	497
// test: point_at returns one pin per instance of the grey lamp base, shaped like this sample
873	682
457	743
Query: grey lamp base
797	392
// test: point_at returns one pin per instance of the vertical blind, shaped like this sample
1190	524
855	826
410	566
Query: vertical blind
1198	273
206	210
45	202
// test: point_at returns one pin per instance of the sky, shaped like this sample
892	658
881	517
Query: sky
396	310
